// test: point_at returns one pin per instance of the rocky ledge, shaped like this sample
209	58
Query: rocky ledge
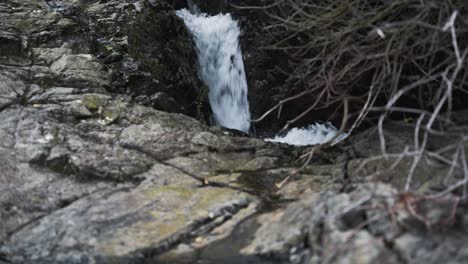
91	172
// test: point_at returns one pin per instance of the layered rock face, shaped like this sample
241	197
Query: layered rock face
92	171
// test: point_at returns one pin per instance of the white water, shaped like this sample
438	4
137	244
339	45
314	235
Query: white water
221	66
312	135
222	69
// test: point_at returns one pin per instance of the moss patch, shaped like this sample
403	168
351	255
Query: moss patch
94	101
159	40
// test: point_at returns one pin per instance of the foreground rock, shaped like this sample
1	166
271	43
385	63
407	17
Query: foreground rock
93	174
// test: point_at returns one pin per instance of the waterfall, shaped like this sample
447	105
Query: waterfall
193	7
221	66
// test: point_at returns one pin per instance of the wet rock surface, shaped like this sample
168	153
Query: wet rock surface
92	173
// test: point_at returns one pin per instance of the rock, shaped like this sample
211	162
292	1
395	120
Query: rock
10	44
10	90
431	249
77	109
140	222
164	102
159	40
429	175
80	70
94	102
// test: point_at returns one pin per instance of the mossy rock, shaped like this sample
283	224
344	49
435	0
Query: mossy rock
94	101
160	42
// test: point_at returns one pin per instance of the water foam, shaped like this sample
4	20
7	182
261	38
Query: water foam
221	66
312	135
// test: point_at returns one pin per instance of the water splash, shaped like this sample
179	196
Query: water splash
221	66
312	135
193	7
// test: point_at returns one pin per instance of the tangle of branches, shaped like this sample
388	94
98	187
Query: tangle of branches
377	60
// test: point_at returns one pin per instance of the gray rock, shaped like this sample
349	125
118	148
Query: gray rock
10	90
164	102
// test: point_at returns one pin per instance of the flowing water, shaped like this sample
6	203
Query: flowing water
221	66
222	69
311	135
